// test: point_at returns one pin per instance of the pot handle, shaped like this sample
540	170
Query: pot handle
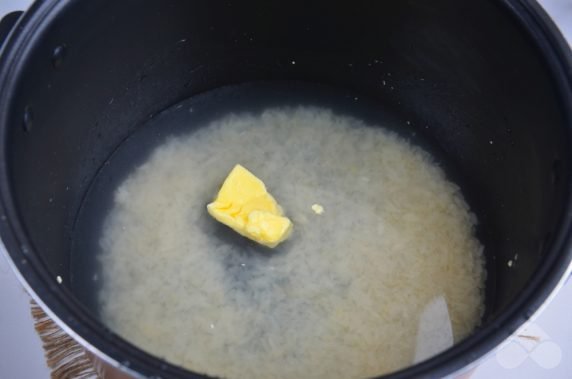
7	24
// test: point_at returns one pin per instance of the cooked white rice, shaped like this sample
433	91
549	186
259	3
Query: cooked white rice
340	299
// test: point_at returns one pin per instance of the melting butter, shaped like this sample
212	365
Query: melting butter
244	204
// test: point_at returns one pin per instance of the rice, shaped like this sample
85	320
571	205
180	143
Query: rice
340	299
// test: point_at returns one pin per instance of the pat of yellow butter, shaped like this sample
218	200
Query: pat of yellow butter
244	204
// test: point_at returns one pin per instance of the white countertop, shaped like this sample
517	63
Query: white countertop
21	355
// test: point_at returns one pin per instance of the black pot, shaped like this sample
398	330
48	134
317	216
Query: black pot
492	79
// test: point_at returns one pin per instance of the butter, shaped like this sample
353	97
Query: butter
244	204
318	209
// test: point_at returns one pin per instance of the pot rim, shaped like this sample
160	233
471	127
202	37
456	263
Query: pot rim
77	321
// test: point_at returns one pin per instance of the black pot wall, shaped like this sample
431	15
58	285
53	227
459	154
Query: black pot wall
80	76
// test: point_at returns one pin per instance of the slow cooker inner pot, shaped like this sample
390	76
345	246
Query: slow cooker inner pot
463	73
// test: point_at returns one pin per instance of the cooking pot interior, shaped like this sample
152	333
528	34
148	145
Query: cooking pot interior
463	75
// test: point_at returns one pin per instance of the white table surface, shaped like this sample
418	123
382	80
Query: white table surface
21	355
